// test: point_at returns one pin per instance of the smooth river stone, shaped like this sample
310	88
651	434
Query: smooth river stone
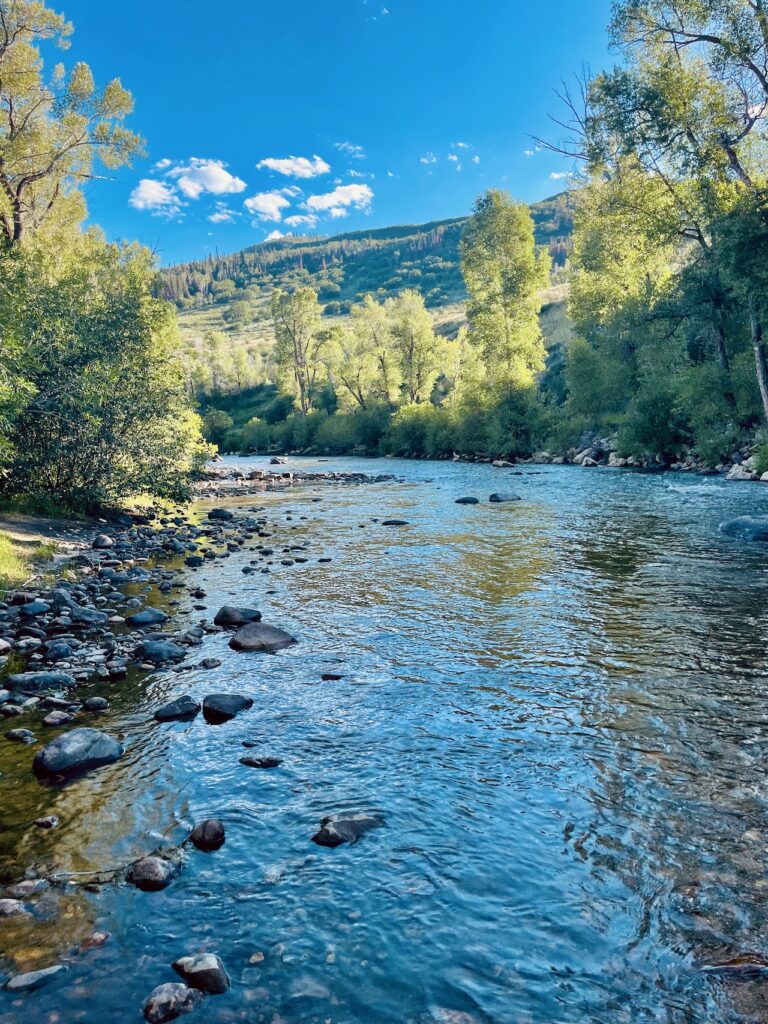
79	750
232	616
345	828
208	835
169	1001
203	971
257	636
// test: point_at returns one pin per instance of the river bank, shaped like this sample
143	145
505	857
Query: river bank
499	692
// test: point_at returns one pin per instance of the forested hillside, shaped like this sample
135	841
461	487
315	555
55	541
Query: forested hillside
344	268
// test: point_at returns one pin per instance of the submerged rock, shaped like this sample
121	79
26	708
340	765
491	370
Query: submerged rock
469	500
179	710
340	828
503	496
20	736
169	1001
204	971
31	682
12	908
221	707
229	615
34	979
208	835
151	874
147	617
257	636
752	528
76	751
159	651
261	762
395	522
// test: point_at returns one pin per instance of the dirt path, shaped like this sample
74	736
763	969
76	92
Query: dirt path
70	536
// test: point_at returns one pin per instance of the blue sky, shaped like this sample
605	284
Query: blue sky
267	116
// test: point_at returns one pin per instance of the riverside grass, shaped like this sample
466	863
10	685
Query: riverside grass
19	558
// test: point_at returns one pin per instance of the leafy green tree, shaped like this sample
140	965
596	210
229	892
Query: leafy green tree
54	130
419	351
107	413
216	423
504	274
300	344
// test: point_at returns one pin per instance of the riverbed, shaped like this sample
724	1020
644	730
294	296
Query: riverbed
557	706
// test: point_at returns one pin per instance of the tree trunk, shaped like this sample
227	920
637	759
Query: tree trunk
761	361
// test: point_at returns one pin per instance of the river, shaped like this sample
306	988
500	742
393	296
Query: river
558	706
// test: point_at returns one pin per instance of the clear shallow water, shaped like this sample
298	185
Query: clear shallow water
558	706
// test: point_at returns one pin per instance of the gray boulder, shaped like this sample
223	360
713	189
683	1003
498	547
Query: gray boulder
345	828
12	908
181	709
34	979
229	616
169	1001
499	498
160	651
257	636
204	971
31	682
147	617
20	736
221	513
221	707
151	874
751	528
102	542
469	500
79	750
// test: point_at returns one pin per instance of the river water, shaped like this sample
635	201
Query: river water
559	708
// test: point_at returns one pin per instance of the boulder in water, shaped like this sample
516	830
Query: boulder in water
31	682
221	513
345	828
79	750
208	835
181	709
503	496
204	971
160	651
34	979
221	707
151	874
257	636
752	528
230	616
169	1001
469	500
147	617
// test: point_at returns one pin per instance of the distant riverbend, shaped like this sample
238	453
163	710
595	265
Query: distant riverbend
527	737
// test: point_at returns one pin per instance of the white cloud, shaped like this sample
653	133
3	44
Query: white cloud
359	197
267	205
390	174
453	157
159	198
559	175
428	158
337	211
529	153
350	149
162	165
199	176
223	215
295	166
475	159
273	236
461	145
299	219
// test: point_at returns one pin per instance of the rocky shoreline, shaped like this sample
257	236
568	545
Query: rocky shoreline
63	644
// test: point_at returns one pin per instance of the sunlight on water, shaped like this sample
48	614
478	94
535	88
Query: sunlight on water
557	705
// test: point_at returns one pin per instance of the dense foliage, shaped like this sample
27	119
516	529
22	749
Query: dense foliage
93	404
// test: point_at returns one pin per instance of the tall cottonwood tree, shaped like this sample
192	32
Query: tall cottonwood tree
54	129
504	274
300	344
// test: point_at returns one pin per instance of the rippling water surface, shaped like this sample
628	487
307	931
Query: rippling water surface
558	706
